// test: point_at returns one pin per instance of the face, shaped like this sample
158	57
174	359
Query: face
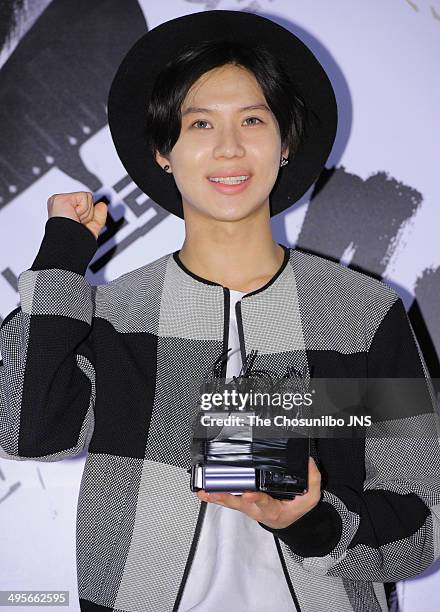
225	141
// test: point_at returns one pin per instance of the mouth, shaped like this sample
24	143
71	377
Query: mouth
229	185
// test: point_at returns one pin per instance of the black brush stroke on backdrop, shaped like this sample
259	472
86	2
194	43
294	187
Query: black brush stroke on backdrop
9	12
366	213
55	82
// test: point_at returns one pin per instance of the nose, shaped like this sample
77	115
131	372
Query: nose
228	143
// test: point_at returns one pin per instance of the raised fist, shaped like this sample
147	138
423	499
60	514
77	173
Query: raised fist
79	206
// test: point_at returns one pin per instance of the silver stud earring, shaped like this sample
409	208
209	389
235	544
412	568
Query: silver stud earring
284	161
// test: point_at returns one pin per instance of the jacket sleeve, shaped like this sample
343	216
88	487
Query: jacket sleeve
388	528
47	374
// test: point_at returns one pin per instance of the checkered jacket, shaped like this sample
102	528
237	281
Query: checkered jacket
115	368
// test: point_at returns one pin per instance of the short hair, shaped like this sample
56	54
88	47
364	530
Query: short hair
163	117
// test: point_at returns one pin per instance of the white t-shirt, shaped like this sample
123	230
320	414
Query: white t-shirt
236	565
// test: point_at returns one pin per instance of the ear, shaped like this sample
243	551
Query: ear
285	152
161	159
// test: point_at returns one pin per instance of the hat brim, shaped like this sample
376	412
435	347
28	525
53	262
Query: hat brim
133	82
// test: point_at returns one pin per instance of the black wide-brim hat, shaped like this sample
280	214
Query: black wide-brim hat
134	80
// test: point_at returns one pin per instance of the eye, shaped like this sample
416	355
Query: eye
259	120
199	121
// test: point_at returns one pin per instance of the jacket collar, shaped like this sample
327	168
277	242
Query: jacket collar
205	281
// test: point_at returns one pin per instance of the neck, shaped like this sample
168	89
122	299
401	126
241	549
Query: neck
240	255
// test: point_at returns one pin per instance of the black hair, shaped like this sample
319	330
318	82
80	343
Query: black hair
163	118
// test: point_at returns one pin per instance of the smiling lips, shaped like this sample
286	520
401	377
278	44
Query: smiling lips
231	182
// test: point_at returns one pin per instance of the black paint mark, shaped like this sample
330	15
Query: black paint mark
365	215
9	18
12	490
40	477
54	87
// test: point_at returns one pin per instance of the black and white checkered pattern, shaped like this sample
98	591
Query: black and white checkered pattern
116	368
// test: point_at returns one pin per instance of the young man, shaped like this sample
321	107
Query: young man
226	142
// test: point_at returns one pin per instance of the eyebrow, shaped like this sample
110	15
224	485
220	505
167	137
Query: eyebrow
197	109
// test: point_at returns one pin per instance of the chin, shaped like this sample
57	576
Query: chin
223	209
230	213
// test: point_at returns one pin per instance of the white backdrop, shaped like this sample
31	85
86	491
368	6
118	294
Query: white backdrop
383	199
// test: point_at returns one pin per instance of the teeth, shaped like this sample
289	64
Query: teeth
229	180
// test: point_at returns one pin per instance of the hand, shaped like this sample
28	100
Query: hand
274	513
78	205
